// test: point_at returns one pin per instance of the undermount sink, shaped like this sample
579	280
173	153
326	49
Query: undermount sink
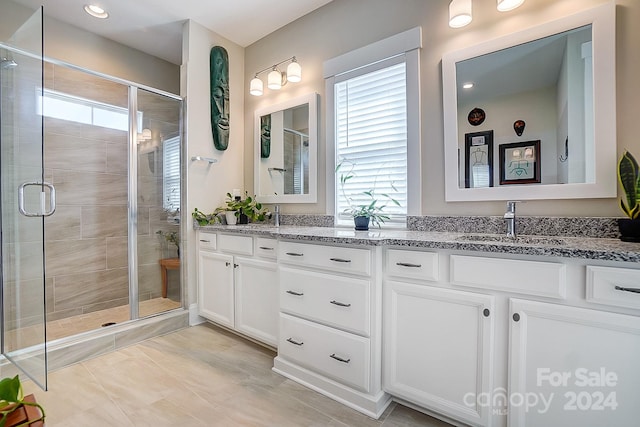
530	240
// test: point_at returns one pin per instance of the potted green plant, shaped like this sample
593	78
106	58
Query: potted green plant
372	211
172	237
235	210
629	178
13	402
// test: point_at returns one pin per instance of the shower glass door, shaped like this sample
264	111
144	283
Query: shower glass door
158	153
25	200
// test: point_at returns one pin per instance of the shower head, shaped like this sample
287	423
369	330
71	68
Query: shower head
8	63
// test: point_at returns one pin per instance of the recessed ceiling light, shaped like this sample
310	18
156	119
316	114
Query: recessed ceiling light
96	11
467	85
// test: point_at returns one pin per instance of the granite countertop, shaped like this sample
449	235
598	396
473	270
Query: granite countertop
606	249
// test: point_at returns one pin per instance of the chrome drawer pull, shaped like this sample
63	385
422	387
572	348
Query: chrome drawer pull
340	260
266	248
407	264
340	304
298	294
634	290
292	341
339	359
294	254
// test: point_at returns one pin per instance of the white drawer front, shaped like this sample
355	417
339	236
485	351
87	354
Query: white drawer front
342	302
335	354
333	258
206	241
235	244
266	248
619	287
412	264
546	279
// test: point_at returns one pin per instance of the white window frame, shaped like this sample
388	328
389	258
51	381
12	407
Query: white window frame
407	44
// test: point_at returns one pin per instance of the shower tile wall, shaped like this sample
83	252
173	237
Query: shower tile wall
86	239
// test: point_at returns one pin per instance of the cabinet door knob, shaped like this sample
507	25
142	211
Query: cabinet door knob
294	342
227	263
634	290
339	359
339	260
298	294
408	264
486	312
294	254
235	265
339	304
516	317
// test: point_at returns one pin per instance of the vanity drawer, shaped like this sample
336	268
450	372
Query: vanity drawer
338	301
333	258
235	244
545	279
603	281
339	355
412	264
206	241
266	248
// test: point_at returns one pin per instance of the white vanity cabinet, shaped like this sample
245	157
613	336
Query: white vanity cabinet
438	343
573	366
330	335
560	344
238	284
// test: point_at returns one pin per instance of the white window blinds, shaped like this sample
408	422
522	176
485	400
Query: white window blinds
371	140
171	173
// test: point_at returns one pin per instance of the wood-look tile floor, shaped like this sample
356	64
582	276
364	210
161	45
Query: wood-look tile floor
199	376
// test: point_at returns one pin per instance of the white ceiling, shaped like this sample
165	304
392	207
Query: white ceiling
155	26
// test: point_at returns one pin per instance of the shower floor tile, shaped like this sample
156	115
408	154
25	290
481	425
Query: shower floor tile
73	325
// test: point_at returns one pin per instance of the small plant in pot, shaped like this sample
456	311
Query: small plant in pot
372	210
629	178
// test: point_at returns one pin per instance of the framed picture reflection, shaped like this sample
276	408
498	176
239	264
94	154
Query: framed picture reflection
478	159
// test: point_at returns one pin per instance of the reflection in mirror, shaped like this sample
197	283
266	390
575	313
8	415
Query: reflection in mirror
544	84
286	145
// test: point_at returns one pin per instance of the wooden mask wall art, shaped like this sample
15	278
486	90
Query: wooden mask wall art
219	74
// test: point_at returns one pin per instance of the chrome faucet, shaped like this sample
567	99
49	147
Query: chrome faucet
276	217
510	217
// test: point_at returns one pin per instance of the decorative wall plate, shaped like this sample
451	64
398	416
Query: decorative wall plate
476	116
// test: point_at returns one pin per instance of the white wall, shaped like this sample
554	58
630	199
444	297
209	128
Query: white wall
206	184
70	44
344	25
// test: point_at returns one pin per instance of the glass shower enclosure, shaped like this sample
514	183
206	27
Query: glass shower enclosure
91	177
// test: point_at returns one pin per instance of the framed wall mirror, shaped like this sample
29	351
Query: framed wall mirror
286	139
553	83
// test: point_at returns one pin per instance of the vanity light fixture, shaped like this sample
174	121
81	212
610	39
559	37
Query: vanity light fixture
507	5
96	11
276	78
459	13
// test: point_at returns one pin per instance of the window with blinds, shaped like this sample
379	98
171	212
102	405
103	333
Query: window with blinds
371	140
171	173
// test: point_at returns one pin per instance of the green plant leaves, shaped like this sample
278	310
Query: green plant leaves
629	178
10	390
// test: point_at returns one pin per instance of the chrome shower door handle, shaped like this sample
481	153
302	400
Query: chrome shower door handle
52	199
